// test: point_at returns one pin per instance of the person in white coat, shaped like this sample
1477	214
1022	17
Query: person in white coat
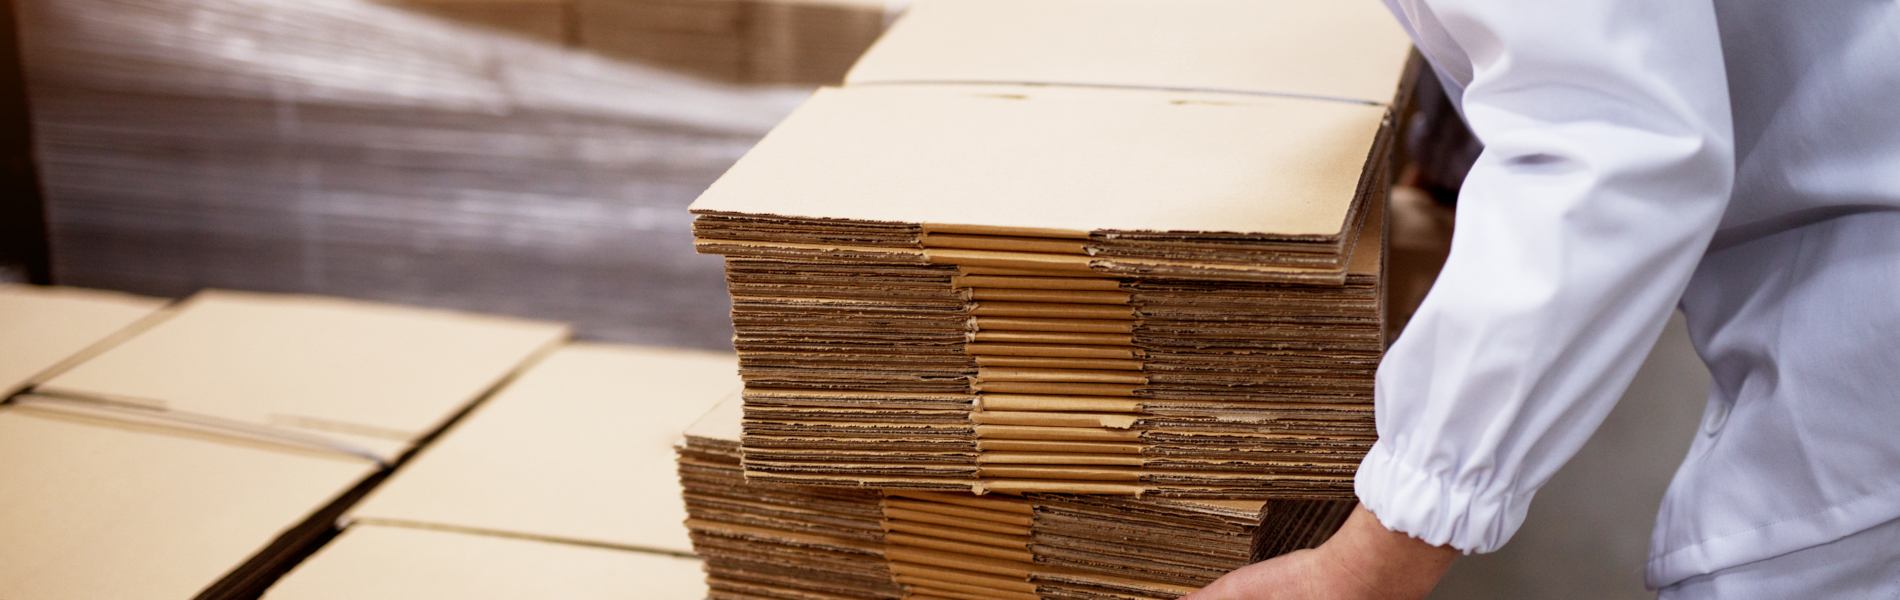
1736	159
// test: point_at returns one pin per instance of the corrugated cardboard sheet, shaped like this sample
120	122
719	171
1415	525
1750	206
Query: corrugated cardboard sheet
44	330
377	375
99	508
579	448
369	562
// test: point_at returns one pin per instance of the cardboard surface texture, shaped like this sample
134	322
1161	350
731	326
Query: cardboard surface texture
44	330
579	448
1350	50
357	370
96	508
1060	159
368	562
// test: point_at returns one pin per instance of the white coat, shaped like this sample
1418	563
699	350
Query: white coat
1737	158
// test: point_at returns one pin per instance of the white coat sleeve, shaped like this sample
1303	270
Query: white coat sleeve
1608	163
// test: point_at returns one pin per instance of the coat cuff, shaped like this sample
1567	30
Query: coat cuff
1437	508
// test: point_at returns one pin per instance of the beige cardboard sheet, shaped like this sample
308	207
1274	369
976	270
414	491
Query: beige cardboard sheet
95	509
317	364
725	422
368	562
1345	49
580	447
44	329
1056	158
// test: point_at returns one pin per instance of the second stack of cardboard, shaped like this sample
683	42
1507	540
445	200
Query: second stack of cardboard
1043	259
765	540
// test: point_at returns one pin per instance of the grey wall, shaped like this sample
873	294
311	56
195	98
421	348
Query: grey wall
1587	534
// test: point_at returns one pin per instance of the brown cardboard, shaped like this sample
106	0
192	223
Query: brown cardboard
1052	337
1077	543
1033	157
958	510
44	330
1053	264
319	365
1057	446
94	508
1024	402
1003	272
1054	419
1056	363
1350	50
1056	296
579	447
1035	283
1041	245
368	562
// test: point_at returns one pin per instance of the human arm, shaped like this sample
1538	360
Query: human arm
1363	561
1608	165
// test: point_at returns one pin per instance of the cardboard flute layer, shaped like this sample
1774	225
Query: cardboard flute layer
789	541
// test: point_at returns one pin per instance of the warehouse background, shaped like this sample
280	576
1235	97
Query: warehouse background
535	158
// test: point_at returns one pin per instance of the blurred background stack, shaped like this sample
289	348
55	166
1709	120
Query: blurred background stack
358	149
523	158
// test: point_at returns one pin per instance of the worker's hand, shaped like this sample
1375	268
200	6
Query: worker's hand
1363	561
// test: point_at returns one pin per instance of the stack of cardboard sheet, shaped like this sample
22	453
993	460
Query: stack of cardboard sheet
558	486
1020	252
206	446
1103	546
765	540
742	41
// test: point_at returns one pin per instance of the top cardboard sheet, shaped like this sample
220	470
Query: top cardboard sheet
45	329
1351	50
580	448
725	422
368	562
91	508
1060	159
315	364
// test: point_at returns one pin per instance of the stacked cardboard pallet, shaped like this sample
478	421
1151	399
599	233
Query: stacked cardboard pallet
199	449
1054	261
555	487
765	540
430	163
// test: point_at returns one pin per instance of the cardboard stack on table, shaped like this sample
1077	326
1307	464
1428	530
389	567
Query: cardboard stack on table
196	451
766	540
1104	247
560	486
